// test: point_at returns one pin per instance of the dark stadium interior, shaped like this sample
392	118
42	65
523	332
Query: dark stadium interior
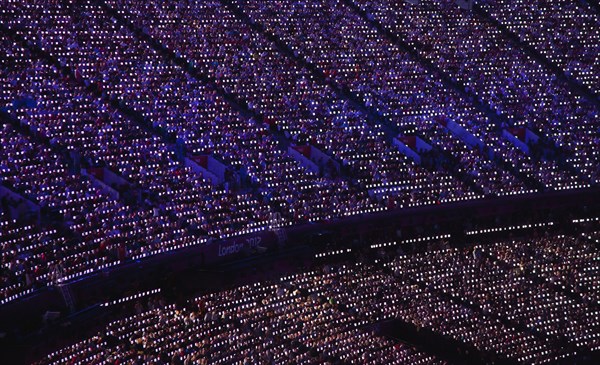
300	182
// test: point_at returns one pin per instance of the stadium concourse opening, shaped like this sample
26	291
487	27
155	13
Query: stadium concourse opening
299	181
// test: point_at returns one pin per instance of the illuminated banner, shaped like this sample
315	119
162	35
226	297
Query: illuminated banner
246	246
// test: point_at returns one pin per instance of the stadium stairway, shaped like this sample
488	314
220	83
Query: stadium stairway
282	47
128	112
460	88
428	65
91	88
476	308
575	86
553	338
238	104
60	150
537	278
241	106
343	93
452	351
373	115
235	101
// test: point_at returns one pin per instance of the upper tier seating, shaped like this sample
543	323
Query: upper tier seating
83	89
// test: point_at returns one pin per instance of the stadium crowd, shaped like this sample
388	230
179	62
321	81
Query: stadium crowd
286	94
387	77
474	52
91	91
476	295
566	32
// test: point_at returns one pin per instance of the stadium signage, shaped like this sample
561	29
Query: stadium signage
236	247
